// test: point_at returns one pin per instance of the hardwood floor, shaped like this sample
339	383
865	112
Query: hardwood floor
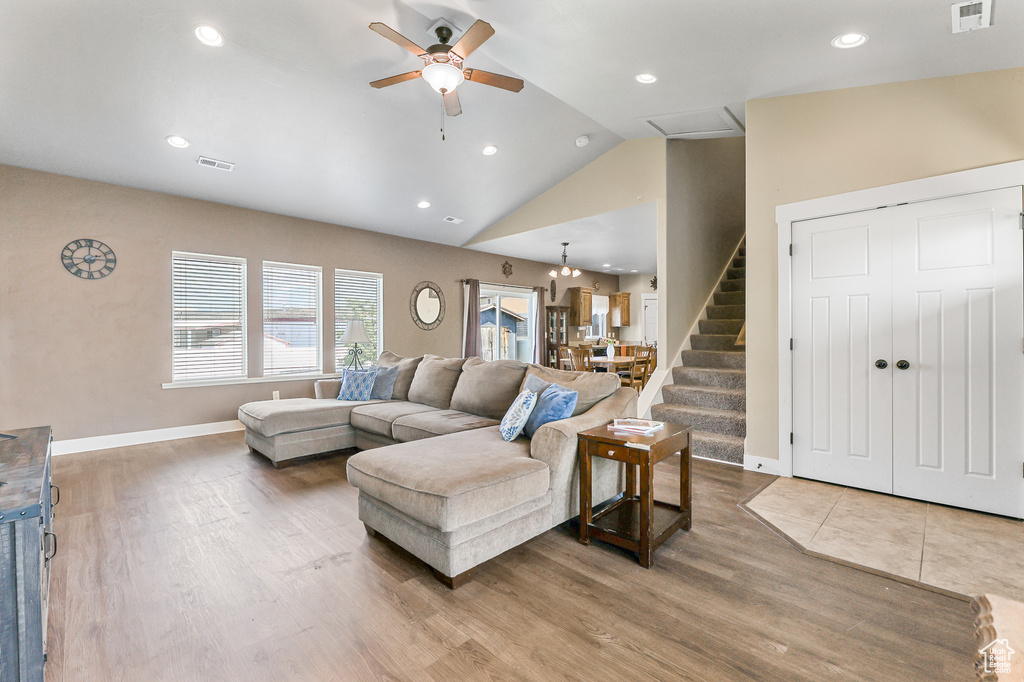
196	560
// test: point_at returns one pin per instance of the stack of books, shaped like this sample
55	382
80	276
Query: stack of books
641	427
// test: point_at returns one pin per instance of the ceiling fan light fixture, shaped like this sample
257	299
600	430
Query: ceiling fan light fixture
443	77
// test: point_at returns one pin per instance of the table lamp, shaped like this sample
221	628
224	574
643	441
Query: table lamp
355	333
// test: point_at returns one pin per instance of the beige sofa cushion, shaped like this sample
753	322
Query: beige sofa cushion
327	388
379	416
592	387
451	481
271	417
437	423
435	381
488	388
406	372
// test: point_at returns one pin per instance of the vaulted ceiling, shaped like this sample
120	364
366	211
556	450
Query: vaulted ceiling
92	88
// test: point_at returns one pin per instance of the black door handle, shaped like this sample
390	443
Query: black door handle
903	364
881	364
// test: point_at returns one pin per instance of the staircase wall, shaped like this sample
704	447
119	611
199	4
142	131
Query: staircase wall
705	214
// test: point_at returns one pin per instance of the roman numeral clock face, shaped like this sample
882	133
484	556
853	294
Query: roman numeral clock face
88	259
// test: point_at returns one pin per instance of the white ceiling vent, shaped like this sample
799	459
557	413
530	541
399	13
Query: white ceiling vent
453	220
696	125
214	163
968	16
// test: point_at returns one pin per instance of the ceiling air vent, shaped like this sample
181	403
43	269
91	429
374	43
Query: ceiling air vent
968	16
696	125
214	163
453	220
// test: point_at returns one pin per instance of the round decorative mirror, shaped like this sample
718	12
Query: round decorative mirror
427	305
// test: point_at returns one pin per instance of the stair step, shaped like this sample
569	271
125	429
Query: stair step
720	326
719	359
709	376
739	262
713	341
704	396
717	446
743	250
729	297
735	273
724	422
733	285
726	312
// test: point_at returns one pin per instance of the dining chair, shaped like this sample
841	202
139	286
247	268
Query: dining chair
628	351
564	354
641	368
582	359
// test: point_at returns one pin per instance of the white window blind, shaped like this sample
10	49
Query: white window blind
291	319
208	317
358	296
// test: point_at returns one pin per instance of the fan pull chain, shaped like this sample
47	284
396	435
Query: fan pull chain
442	122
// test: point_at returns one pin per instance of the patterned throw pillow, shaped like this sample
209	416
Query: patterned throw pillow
556	402
357	384
515	419
384	383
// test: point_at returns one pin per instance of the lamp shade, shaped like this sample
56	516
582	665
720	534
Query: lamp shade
443	77
355	332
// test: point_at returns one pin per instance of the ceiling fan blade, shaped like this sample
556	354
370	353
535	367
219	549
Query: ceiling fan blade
397	38
400	78
473	38
452	106
494	79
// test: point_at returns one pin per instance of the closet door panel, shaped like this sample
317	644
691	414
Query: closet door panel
958	321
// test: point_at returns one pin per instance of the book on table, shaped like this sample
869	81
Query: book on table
643	427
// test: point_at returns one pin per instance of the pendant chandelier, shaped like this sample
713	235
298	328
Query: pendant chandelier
565	270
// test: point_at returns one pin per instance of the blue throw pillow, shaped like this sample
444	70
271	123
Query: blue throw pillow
515	419
384	383
356	384
556	402
535	383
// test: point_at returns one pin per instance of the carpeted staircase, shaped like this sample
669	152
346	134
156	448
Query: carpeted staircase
709	390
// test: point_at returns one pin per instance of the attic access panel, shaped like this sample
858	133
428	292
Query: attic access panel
696	125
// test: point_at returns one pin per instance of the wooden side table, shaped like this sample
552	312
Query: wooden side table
635	521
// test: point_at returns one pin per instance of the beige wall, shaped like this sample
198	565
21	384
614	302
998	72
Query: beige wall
705	214
89	357
808	146
631	174
636	285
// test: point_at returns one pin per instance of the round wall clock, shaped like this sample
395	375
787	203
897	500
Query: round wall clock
88	259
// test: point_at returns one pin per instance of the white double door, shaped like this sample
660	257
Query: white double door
908	363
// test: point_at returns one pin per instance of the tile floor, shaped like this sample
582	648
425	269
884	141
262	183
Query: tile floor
964	552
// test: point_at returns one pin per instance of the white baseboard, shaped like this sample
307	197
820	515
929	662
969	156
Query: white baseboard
761	464
120	440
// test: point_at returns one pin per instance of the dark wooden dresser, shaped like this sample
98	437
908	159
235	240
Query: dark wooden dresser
27	544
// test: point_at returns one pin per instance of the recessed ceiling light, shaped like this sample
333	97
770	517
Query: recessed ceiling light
634	271
490	150
606	265
177	141
848	40
208	35
423	204
646	78
606	271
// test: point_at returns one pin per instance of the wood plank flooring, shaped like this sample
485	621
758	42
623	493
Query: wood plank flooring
196	560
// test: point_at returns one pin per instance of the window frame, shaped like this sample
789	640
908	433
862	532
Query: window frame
243	322
339	362
319	309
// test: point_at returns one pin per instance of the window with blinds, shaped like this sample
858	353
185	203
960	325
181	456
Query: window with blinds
208	317
291	319
358	296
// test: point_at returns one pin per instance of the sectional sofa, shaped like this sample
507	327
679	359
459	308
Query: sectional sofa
434	474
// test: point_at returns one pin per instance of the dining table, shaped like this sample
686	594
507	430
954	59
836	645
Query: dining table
614	364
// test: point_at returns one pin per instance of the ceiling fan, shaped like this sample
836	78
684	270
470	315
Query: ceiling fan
442	68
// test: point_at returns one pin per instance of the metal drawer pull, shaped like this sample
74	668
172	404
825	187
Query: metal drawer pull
54	502
54	536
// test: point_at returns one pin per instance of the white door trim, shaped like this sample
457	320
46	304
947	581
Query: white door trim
963	182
